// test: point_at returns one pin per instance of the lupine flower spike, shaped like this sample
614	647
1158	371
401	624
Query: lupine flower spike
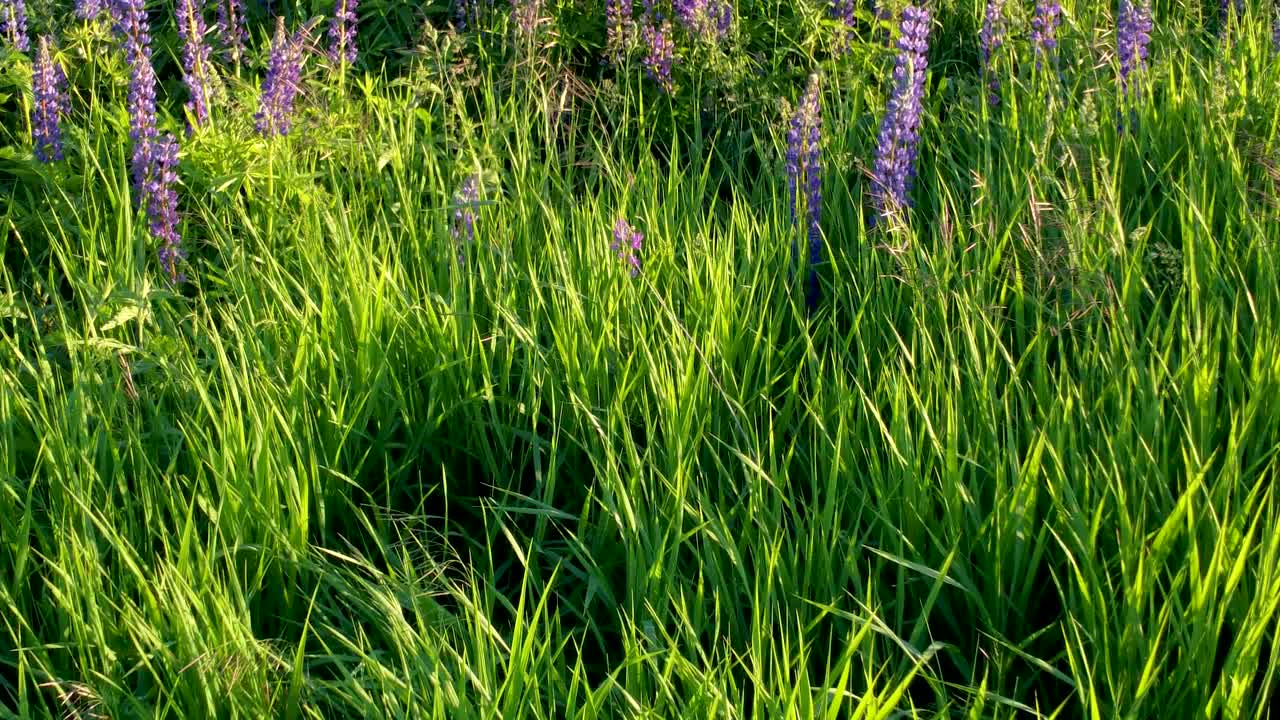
162	205
844	11
707	19
992	38
89	9
13	24
1275	27
1133	35
1225	12
342	32
899	139
195	60
464	213
1044	28
231	28
618	28
804	169
281	84
49	84
626	243
660	51
132	25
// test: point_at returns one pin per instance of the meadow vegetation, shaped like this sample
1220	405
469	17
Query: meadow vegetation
490	362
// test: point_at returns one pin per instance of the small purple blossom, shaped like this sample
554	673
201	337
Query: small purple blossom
660	50
90	9
1225	11
1133	35
618	28
899	138
804	154
132	25
49	84
626	243
282	82
231	28
162	205
195	60
706	19
845	11
469	13
992	38
1044	27
13	24
342	32
464	213
1275	28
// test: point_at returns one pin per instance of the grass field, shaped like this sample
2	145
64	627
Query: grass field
1018	459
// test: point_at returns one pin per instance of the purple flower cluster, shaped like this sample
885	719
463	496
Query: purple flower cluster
1275	28
464	209
1044	26
1133	35
845	11
617	19
900	131
49	84
132	25
469	13
626	243
195	60
707	19
1225	15
660	49
162	204
90	9
992	38
13	24
231	28
804	142
282	82
342	32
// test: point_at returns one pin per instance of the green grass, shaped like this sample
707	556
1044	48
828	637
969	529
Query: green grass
1020	462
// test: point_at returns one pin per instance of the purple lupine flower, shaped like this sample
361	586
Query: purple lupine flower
992	38
845	11
527	15
49	83
812	109
1225	11
618	24
1133	35
1044	28
1275	28
660	50
707	19
342	32
282	82
132	25
626	243
469	13
90	9
13	24
900	131
195	60
804	141
231	29
162	204
464	212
